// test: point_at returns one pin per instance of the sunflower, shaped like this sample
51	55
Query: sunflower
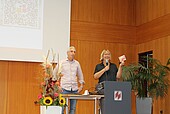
60	96
47	101
62	101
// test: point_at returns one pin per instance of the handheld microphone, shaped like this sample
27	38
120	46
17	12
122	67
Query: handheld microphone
107	62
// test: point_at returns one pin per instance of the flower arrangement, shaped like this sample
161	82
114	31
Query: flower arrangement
50	94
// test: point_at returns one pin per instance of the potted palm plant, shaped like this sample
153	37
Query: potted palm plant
147	82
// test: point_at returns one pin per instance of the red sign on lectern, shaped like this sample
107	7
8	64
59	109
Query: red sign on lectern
118	95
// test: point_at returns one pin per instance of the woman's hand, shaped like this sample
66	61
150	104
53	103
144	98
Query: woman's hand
106	68
122	63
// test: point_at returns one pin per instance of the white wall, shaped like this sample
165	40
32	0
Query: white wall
35	41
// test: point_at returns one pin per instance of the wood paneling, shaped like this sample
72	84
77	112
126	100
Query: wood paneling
103	32
160	47
22	88
104	11
161	51
153	33
155	29
148	10
3	86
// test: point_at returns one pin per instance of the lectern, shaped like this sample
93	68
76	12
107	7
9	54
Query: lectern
117	97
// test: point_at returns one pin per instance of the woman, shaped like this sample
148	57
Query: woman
107	71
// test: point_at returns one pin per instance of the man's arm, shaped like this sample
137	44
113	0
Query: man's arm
81	78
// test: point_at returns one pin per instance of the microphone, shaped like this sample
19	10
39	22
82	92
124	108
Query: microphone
107	62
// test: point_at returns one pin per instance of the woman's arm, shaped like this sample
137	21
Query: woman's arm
119	73
97	75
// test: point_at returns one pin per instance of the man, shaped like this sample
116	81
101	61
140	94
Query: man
69	70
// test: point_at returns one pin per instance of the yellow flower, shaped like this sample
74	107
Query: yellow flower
62	101
60	96
47	101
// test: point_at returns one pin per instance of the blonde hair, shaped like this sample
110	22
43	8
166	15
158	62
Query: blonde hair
102	54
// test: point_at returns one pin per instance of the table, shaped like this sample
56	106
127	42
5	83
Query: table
83	97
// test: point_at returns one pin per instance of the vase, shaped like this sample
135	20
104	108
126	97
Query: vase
144	105
50	110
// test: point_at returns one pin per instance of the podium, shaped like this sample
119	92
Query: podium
117	97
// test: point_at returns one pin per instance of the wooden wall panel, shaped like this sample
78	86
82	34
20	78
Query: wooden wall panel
148	10
104	11
160	48
23	88
152	33
161	51
155	29
103	32
3	86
